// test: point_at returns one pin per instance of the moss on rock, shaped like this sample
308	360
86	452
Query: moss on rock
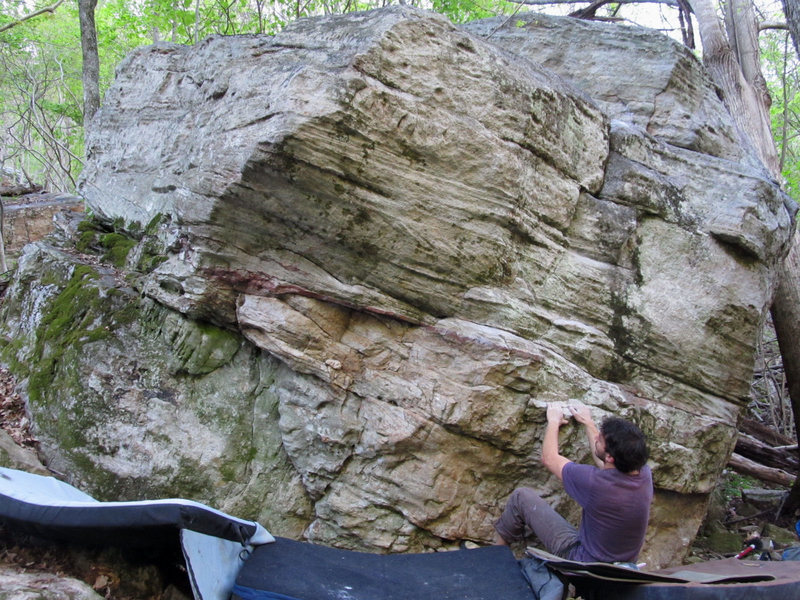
123	241
132	399
117	247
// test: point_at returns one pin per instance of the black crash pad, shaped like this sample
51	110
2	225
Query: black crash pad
707	572
291	570
726	579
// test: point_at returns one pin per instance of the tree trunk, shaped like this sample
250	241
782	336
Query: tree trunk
745	105
3	265
91	60
765	434
197	21
745	466
786	317
791	8
784	457
742	27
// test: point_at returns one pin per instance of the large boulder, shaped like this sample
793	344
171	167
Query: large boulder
363	255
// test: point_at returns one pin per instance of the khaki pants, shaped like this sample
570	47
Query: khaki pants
526	509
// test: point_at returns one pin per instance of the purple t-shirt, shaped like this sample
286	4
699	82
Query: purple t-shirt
616	508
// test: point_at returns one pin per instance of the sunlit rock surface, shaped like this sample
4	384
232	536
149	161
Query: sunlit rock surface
365	254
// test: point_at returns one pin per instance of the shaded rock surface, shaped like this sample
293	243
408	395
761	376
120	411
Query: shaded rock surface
17	457
33	568
356	260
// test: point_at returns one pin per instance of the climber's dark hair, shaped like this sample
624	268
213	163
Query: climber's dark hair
625	443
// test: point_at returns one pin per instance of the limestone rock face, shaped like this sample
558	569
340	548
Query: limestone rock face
409	240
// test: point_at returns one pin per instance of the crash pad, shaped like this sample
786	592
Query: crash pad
291	570
725	579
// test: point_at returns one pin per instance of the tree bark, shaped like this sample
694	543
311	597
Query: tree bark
91	60
19	189
3	265
744	103
764	434
742	26
786	318
791	8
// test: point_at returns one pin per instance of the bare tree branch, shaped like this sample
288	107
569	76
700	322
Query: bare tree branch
764	25
50	9
590	11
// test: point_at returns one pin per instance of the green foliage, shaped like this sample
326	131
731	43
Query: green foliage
68	110
461	11
734	483
781	69
41	97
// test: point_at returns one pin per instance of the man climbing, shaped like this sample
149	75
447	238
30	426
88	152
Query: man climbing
615	495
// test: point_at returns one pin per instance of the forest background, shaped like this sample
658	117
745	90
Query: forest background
43	102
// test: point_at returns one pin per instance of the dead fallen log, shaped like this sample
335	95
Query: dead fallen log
785	457
745	466
766	434
791	448
15	190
